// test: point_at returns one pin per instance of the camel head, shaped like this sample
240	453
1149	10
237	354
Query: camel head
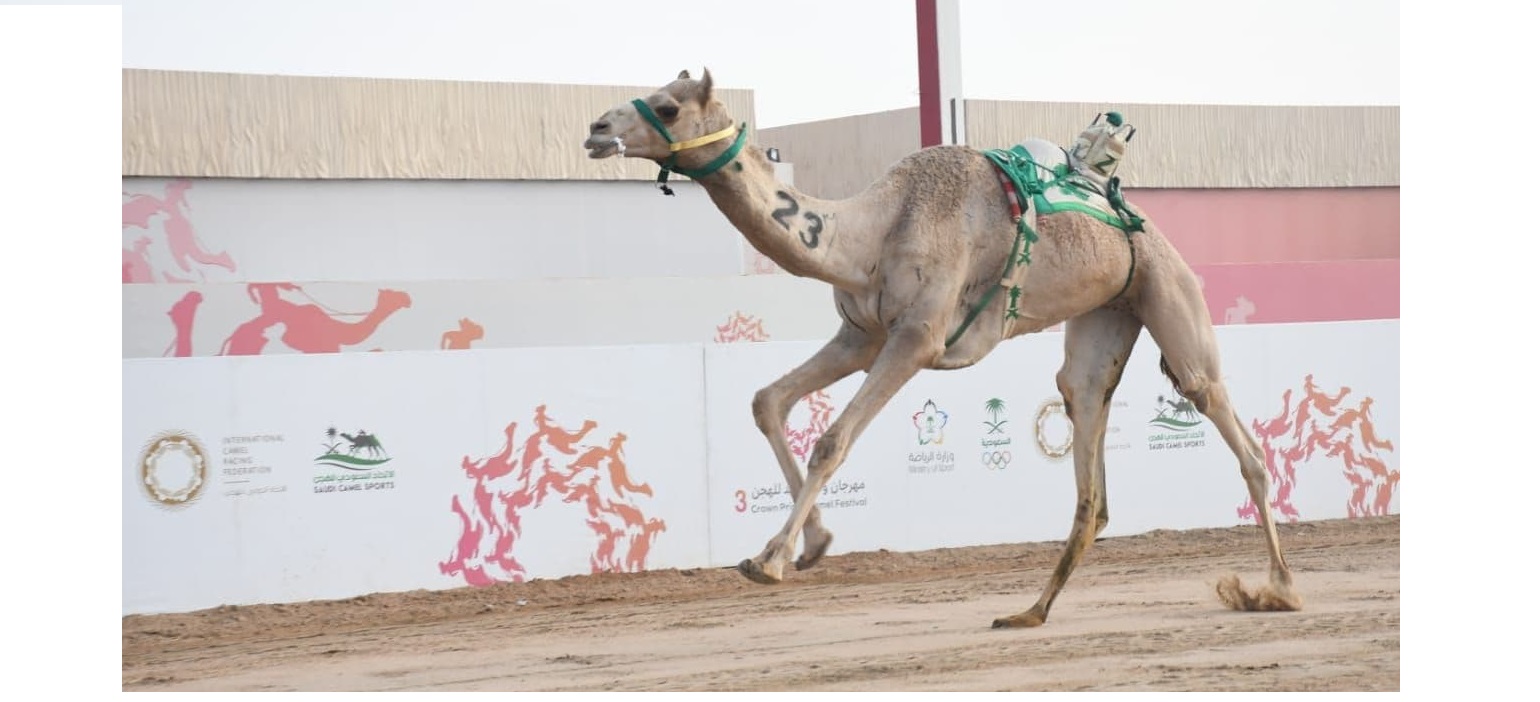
681	126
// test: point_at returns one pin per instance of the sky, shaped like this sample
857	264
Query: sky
805	59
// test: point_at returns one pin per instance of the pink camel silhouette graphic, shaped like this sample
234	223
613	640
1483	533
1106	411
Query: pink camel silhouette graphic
307	328
569	471
180	237
1321	421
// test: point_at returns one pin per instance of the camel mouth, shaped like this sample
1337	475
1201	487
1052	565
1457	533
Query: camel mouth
601	147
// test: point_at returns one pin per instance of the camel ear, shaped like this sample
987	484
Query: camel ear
705	87
684	74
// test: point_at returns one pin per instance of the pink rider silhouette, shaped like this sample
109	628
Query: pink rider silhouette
182	319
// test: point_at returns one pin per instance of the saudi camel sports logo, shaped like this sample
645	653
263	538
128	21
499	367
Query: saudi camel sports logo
358	451
1177	424
357	457
1336	426
551	465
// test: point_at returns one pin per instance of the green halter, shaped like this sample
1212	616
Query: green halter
672	164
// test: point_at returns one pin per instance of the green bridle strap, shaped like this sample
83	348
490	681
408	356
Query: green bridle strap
672	163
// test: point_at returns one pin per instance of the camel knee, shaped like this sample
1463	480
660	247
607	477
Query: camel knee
769	411
828	451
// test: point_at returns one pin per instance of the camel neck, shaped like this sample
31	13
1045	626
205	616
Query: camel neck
800	233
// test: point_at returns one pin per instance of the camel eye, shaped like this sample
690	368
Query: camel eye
668	111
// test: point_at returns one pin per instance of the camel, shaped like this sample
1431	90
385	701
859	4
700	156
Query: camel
909	260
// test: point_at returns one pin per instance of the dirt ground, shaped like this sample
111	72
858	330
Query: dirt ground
1139	614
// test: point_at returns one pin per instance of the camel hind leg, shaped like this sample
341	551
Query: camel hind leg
1096	349
1174	311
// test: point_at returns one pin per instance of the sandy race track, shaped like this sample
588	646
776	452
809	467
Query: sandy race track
1139	614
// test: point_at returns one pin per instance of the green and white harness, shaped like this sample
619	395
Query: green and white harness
1034	190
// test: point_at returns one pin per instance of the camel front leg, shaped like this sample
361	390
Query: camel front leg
906	351
1096	350
850	350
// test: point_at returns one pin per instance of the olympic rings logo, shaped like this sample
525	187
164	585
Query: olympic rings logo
996	460
1044	413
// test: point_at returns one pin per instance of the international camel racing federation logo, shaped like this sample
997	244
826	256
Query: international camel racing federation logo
1055	435
173	469
356	458
996	455
1176	424
930	425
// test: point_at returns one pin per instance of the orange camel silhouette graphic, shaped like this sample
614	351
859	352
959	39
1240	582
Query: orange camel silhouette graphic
180	238
1371	482
577	473
557	437
307	328
461	338
181	315
619	478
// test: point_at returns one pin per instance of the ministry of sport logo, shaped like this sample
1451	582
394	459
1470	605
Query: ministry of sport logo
930	428
930	422
355	459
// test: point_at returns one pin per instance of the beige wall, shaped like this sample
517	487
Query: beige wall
1176	146
183	124
1218	146
837	158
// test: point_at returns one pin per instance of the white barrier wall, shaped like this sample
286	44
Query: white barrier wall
482	466
444	471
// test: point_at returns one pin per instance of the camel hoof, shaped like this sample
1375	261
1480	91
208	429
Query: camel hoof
816	548
1027	619
755	572
1273	597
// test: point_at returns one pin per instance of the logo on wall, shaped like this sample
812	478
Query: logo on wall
173	468
550	467
1176	424
1054	433
995	454
930	426
358	455
1337	427
820	412
741	327
930	422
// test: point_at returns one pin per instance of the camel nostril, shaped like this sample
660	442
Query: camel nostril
599	126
